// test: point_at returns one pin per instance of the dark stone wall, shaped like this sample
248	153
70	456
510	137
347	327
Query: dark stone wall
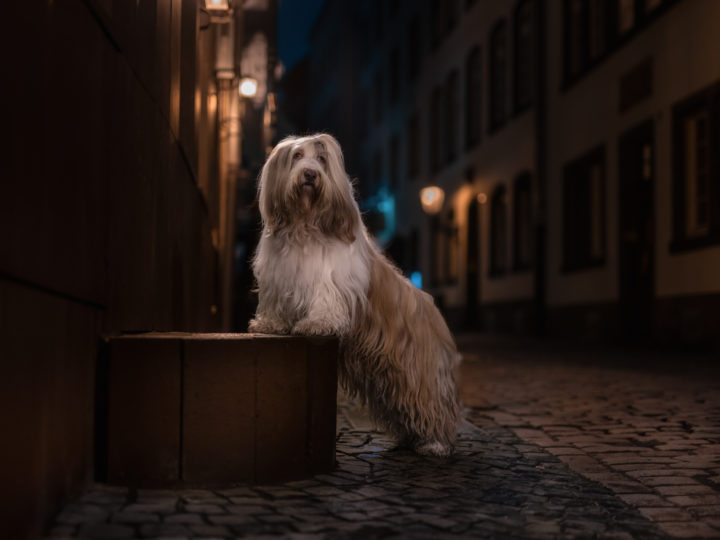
102	225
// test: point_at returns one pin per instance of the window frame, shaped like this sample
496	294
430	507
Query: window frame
704	100
577	250
614	39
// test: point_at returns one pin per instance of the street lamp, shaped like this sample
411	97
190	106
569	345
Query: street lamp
432	199
248	87
217	6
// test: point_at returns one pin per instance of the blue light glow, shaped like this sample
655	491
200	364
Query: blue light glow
383	201
416	279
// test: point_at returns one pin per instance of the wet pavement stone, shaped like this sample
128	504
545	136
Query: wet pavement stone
549	449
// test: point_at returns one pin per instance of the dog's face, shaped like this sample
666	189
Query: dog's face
304	184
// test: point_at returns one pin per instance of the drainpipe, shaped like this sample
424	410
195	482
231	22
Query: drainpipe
541	158
229	137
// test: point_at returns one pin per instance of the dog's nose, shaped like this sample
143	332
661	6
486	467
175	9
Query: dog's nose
310	176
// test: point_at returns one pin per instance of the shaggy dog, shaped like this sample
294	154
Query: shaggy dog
318	273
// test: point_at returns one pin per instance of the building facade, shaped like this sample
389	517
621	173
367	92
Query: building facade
576	144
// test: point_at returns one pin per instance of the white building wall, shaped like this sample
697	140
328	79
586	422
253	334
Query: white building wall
683	43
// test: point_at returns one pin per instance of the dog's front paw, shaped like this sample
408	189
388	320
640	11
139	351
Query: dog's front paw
307	327
260	325
434	448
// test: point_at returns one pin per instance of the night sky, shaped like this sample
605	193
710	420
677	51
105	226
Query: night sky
295	19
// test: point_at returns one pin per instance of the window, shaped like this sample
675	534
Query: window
394	161
522	222
498	231
414	49
498	75
473	97
524	58
696	170
451	117
584	211
394	75
594	28
451	253
434	129
413	146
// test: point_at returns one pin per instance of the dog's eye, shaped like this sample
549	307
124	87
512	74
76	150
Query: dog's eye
297	155
322	159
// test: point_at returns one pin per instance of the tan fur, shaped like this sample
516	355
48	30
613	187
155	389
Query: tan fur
319	273
400	359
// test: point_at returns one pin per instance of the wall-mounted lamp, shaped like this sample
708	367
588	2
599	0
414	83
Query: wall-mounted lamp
481	198
248	87
219	10
217	5
432	199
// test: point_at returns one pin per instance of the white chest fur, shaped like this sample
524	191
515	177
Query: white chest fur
318	278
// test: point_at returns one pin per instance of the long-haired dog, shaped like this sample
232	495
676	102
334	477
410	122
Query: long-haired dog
318	273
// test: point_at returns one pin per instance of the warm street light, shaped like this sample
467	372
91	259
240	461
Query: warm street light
248	87
432	199
217	5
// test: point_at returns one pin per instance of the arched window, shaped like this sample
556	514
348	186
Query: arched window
524	57
498	231
498	75
522	222
473	97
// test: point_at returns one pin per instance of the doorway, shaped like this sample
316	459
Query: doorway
636	243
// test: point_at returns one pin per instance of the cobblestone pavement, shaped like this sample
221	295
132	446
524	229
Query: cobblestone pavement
552	449
643	424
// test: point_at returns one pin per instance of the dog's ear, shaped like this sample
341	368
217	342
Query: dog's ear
343	216
270	186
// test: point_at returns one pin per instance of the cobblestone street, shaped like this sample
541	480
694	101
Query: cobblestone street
555	446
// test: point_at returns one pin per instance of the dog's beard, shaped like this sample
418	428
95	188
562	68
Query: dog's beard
306	197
